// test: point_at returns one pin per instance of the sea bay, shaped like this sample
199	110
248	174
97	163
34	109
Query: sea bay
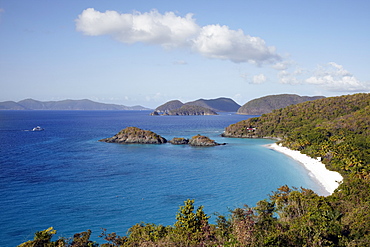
63	177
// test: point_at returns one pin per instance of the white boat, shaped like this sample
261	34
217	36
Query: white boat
37	128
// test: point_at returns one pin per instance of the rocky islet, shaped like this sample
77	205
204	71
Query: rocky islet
134	135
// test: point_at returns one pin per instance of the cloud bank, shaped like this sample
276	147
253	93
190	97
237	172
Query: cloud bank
170	31
331	76
334	77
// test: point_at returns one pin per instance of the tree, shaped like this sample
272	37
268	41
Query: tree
191	227
43	239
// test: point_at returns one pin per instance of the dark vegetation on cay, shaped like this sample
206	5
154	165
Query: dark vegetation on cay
134	135
336	129
198	141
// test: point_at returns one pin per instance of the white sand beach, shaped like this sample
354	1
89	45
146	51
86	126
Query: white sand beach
329	179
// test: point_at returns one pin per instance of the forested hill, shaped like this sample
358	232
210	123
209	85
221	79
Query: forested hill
169	106
217	105
187	110
269	103
336	129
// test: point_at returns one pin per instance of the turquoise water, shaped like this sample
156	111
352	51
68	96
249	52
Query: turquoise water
63	177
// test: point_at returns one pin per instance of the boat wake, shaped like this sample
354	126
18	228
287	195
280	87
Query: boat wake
38	128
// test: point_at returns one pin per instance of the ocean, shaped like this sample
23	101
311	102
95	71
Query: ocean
64	178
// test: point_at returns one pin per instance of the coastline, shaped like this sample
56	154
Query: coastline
328	179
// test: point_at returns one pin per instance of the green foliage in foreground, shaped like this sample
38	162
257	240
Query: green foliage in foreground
290	217
337	130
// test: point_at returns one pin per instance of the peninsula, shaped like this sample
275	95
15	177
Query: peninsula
331	130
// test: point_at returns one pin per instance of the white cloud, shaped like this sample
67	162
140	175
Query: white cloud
215	41
170	30
281	65
334	77
167	30
258	79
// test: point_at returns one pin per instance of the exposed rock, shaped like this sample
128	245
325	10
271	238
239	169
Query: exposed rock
155	113
132	135
179	141
200	140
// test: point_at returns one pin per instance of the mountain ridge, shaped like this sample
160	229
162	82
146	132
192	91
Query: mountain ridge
68	104
221	104
269	103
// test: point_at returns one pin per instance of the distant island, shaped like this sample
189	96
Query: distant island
197	107
258	106
82	105
188	110
269	103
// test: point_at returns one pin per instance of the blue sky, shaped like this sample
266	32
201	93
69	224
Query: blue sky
150	52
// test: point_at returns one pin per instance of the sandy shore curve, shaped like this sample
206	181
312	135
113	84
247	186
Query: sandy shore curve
330	180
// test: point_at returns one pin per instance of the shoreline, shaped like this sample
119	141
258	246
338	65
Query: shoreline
329	180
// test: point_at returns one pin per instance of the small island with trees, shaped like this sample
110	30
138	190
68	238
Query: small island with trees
134	135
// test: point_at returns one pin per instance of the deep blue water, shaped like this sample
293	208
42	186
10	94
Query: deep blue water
63	177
